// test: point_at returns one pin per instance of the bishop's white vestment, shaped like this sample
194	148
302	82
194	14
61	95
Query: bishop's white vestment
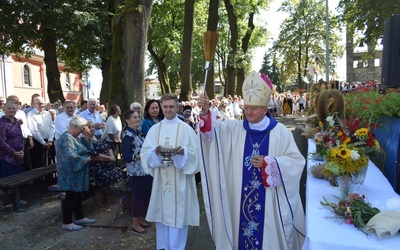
242	211
173	200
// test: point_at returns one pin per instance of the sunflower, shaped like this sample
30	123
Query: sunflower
344	160
343	152
362	132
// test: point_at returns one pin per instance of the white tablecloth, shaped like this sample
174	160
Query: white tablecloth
325	232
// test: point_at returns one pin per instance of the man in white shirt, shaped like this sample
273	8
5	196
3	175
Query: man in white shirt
42	128
173	202
234	107
92	114
27	110
63	119
83	107
56	107
302	103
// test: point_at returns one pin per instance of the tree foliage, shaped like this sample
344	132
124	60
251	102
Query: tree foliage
165	47
165	43
301	40
367	17
242	36
67	30
270	69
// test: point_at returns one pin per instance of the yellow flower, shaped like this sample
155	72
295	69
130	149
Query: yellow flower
345	160
376	142
339	134
343	152
362	132
347	141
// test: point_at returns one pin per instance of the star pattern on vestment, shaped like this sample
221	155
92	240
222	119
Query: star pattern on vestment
251	89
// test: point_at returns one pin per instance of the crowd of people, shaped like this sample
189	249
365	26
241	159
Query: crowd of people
88	140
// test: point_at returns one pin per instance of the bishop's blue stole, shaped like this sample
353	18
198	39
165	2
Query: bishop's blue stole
252	209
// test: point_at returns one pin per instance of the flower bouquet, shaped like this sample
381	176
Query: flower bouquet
325	139
354	210
359	134
345	160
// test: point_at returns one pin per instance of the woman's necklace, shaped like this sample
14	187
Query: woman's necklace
257	145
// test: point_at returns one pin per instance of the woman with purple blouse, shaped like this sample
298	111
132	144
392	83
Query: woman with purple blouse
11	142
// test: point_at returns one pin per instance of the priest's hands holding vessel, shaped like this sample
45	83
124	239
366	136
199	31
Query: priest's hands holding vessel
160	150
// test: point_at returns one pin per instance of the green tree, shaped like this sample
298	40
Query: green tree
367	17
106	49
62	29
186	60
270	69
166	45
301	40
165	41
239	35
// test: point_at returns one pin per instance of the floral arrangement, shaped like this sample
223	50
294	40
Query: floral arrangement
344	160
346	145
354	210
360	135
325	139
369	105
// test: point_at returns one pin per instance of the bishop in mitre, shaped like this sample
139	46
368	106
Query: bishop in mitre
251	176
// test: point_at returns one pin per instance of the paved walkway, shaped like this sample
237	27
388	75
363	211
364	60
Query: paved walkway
296	124
199	238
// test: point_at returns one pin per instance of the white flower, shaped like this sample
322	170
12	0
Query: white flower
354	155
330	120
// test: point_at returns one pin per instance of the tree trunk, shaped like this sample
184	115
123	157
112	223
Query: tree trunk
240	76
212	24
130	28
349	56
371	61
106	73
186	60
162	71
163	77
245	46
54	89
299	66
106	61
230	68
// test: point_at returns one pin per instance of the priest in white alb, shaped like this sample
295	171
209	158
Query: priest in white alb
250	176
173	201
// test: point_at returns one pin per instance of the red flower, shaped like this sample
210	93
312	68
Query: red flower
371	139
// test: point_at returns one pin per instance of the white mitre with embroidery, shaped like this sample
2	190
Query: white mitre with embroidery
257	90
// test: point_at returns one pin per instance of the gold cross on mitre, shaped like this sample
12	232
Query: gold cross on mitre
255	90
